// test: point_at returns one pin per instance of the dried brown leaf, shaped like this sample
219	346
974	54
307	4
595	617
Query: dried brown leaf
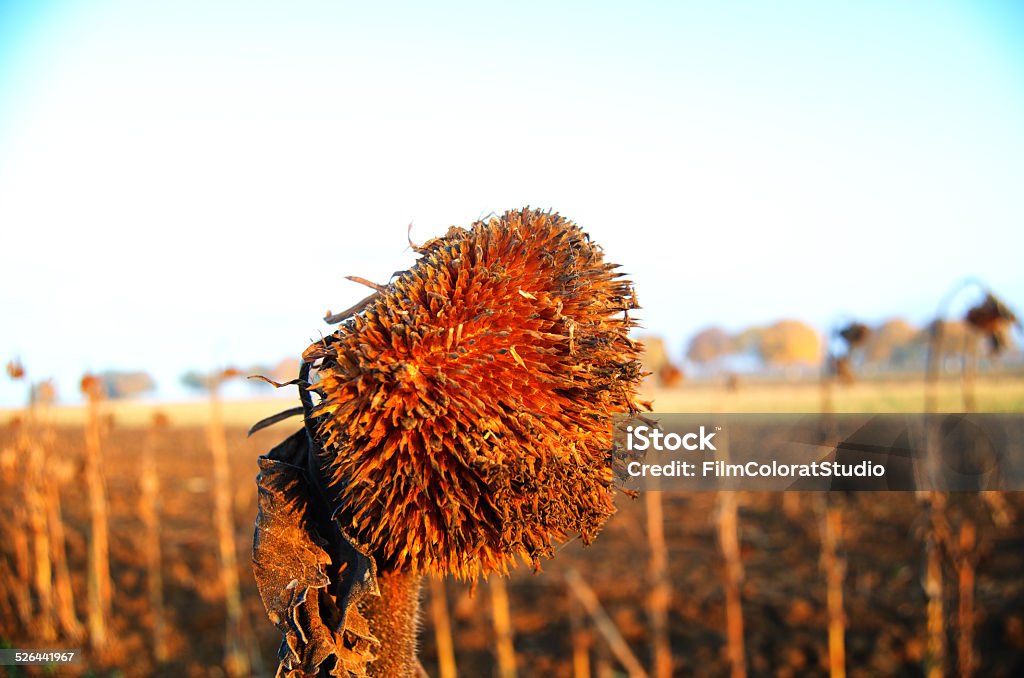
309	582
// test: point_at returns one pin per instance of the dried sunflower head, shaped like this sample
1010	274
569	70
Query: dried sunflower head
855	334
15	370
466	412
92	387
994	319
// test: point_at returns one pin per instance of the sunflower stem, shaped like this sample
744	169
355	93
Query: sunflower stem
394	620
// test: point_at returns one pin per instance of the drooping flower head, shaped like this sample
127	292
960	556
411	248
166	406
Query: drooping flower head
465	413
15	370
995	320
854	335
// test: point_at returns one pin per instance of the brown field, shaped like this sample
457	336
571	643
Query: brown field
783	591
994	394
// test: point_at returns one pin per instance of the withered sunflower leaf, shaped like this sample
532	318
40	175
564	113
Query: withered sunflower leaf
275	418
309	581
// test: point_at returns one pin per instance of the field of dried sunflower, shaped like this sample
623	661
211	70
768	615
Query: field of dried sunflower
523	375
784	592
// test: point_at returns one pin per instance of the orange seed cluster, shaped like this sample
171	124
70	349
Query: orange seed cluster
466	413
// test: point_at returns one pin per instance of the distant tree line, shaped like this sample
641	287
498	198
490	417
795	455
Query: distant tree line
893	345
784	343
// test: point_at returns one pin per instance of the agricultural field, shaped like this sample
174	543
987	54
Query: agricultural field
781	581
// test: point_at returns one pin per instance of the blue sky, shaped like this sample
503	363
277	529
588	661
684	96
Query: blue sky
185	185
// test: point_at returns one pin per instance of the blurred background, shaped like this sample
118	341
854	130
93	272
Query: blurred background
186	186
820	206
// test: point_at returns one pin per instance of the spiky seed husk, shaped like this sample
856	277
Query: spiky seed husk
465	414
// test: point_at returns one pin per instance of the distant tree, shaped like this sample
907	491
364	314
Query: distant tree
893	343
956	336
119	384
205	381
790	342
262	370
197	381
749	340
710	344
286	369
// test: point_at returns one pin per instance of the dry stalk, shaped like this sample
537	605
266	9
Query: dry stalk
828	403
935	661
966	556
503	635
64	595
581	641
18	605
833	564
442	628
934	498
55	471
933	366
99	551
969	367
791	506
18	524
20	532
604	624
936	624
395	615
149	512
660	593
994	320
729	541
35	500
236	660
15	578
966	562
603	666
1002	513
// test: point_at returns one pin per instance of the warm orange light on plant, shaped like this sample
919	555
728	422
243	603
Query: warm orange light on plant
466	412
